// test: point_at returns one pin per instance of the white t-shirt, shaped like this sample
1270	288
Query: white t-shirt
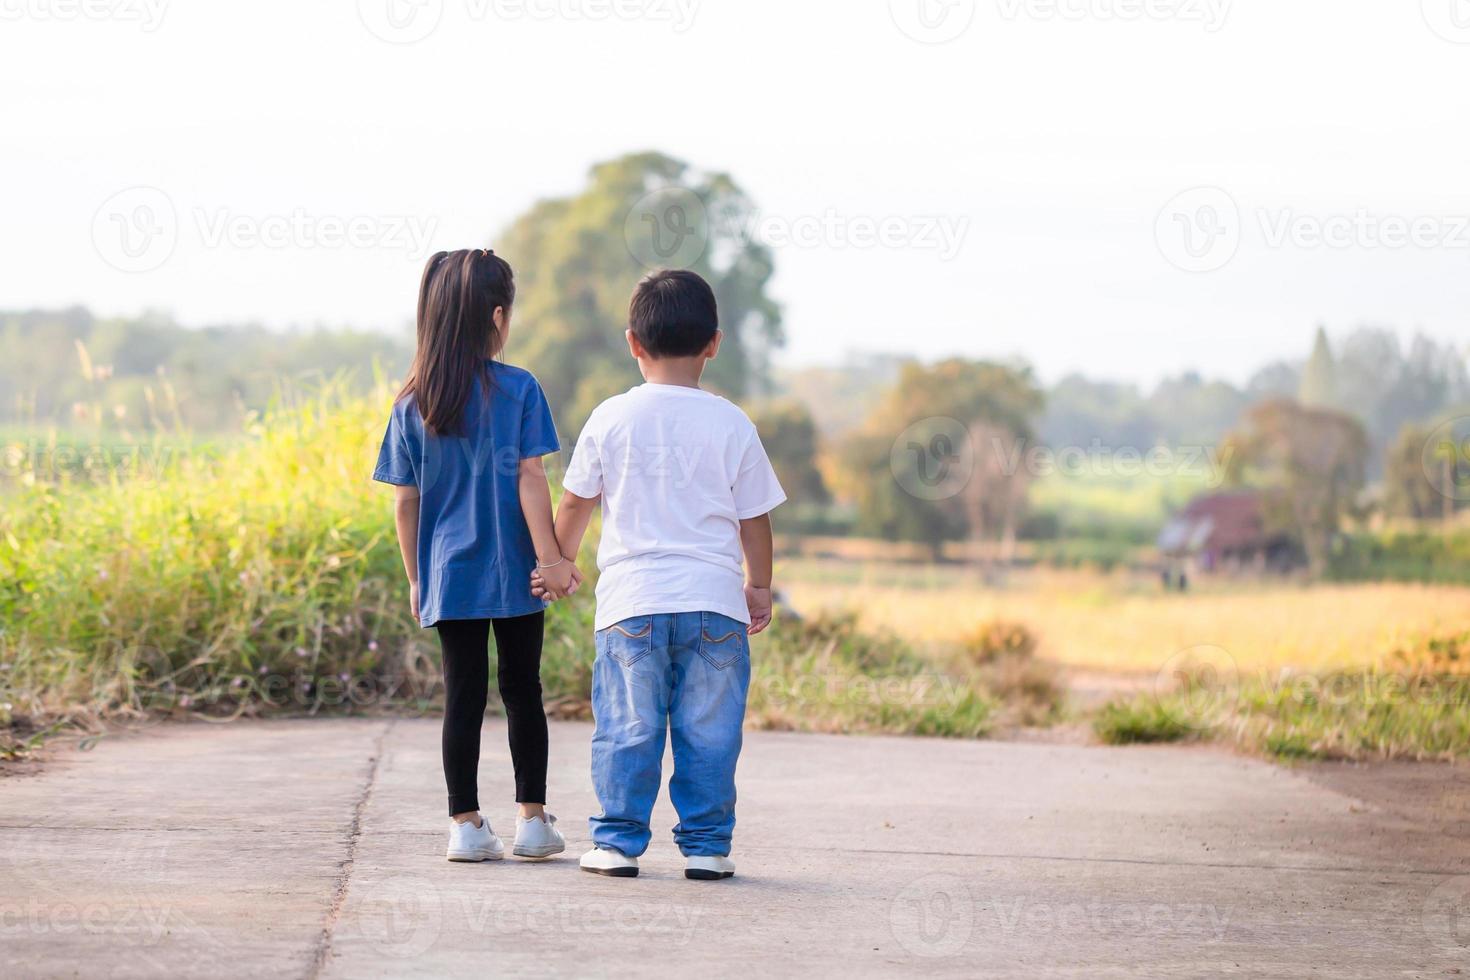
678	469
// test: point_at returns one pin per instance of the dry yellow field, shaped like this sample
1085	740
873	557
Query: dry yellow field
1125	622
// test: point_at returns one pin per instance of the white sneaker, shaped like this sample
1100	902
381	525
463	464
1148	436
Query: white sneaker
538	837
606	861
470	843
709	867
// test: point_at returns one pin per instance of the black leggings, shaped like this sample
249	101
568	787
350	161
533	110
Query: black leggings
466	644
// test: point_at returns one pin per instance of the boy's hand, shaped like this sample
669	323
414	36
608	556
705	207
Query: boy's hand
556	582
758	602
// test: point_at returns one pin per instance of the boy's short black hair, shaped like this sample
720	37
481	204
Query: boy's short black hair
673	313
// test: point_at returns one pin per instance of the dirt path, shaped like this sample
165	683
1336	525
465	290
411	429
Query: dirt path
314	848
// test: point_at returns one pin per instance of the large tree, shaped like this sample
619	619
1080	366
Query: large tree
578	258
942	454
1309	462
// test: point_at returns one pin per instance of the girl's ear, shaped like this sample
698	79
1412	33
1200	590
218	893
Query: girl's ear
713	347
501	318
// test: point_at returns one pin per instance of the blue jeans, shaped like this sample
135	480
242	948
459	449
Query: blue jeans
686	673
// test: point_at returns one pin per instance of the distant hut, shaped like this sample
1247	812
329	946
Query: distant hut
1223	532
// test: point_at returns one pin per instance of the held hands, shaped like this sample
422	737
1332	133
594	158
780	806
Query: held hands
758	603
556	581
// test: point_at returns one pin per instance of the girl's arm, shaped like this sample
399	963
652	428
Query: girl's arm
406	517
559	573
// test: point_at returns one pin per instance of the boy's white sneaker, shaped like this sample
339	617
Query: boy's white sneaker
606	861
470	843
538	837
710	867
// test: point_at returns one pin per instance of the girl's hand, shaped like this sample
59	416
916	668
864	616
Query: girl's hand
413	600
557	580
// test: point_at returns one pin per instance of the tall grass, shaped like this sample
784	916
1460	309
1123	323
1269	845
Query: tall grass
264	576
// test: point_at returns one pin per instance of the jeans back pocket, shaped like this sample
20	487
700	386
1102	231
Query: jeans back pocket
722	640
627	641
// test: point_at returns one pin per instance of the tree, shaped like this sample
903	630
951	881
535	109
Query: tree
576	268
1310	463
1319	377
790	437
1407	490
940	455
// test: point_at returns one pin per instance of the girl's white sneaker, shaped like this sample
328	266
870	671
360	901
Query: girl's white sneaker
606	861
538	837
470	843
709	868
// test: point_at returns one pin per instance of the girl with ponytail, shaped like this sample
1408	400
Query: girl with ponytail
473	511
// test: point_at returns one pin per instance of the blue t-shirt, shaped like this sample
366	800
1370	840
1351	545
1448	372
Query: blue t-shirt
475	551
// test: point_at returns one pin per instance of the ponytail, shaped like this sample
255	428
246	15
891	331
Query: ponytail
456	331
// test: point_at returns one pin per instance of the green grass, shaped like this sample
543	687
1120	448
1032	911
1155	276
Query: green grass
1141	722
1377	714
264	578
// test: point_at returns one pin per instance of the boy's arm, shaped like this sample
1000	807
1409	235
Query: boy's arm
559	573
755	541
406	519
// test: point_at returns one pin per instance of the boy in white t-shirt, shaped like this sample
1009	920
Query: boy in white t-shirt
686	493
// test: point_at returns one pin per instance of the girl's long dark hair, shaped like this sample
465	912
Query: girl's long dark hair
456	331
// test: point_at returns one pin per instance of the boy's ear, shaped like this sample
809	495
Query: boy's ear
713	347
634	348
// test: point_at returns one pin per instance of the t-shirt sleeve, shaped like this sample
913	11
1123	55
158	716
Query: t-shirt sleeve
757	491
395	462
584	473
538	429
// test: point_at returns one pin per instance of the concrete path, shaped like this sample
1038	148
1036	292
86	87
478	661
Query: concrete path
315	848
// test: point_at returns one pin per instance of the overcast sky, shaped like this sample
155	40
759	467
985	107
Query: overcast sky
1124	187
